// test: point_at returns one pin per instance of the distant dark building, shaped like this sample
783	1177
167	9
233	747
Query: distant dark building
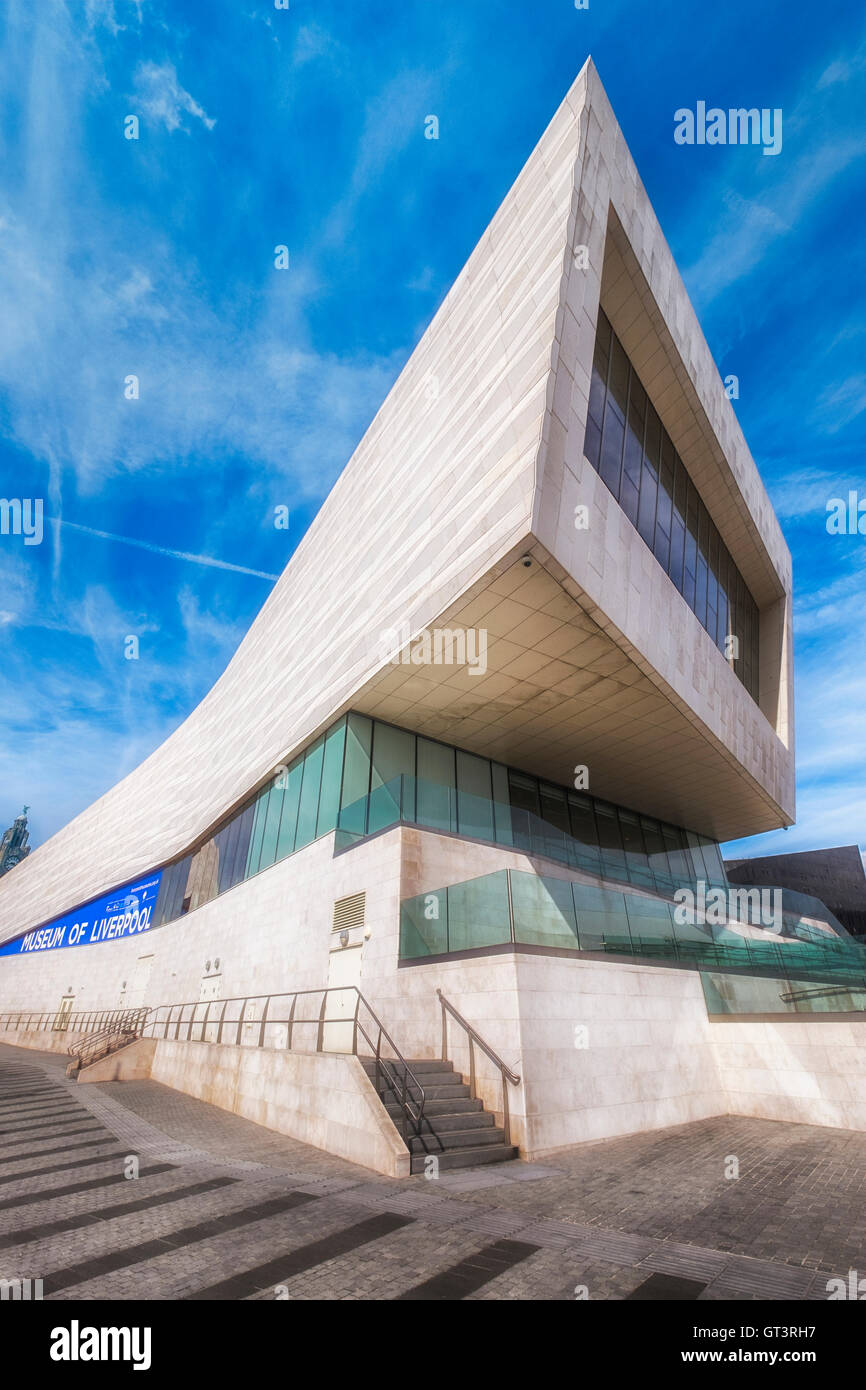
836	876
14	846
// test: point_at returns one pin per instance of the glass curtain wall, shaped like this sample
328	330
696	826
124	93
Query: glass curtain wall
301	803
513	907
393	775
364	775
629	447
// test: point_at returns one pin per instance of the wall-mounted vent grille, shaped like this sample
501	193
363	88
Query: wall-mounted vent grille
349	912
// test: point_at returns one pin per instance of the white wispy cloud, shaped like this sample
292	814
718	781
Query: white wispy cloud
823	139
163	100
208	560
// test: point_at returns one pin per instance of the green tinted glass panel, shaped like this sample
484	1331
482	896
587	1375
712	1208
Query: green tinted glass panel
609	840
272	826
633	847
436	786
332	771
393	777
260	816
474	797
356	773
543	911
478	912
289	821
309	805
650	922
583	829
601	919
424	925
501	805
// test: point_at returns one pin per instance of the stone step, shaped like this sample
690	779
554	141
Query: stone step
446	1124
424	1079
466	1158
458	1105
425	1064
419	1064
457	1139
457	1091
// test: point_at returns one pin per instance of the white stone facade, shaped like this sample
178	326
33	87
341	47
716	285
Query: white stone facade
472	467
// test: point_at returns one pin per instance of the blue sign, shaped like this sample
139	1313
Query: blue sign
125	912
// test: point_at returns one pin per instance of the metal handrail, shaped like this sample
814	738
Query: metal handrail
505	1073
55	1020
391	1073
97	1045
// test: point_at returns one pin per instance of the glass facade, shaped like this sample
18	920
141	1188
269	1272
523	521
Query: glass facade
300	804
363	776
751	994
513	907
628	446
396	776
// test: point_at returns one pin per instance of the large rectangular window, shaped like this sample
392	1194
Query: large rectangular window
392	784
272	823
610	842
332	769
474	797
289	822
308	809
436	786
628	445
356	773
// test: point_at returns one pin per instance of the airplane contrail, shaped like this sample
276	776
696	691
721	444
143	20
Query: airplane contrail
162	550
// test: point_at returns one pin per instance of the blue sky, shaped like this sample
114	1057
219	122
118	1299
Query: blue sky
306	127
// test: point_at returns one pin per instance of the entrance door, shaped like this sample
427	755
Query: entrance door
62	1019
344	969
139	980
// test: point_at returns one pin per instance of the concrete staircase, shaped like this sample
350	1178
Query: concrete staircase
456	1129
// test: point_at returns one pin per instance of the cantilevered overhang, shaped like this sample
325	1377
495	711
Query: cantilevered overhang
563	687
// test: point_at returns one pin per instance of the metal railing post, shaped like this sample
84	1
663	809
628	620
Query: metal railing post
321	1033
222	1019
506	1119
264	1021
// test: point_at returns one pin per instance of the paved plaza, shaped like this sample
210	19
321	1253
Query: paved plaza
224	1209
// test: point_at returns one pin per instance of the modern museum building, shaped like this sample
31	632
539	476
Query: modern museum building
472	763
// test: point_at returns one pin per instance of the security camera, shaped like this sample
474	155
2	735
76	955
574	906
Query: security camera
526	561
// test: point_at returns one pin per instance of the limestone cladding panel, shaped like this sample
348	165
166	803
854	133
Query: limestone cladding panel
810	1072
326	1101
